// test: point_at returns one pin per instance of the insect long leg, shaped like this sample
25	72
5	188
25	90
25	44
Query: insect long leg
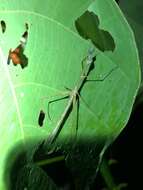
63	119
77	115
74	120
82	63
102	79
83	100
53	101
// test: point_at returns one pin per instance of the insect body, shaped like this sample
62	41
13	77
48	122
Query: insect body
74	95
41	118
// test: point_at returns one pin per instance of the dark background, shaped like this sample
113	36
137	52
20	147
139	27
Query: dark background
127	150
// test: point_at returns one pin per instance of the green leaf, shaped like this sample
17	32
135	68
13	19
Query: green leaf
133	13
55	52
34	177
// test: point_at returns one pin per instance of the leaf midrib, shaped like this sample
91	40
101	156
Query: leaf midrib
4	63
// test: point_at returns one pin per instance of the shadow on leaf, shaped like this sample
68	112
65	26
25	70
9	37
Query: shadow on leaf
87	26
25	172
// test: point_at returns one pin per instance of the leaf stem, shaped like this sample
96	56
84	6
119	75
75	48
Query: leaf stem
107	176
50	160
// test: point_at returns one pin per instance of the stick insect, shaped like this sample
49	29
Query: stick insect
74	94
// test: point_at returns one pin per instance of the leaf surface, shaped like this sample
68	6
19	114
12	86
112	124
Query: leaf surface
55	52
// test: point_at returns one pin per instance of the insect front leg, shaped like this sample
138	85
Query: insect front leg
104	77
